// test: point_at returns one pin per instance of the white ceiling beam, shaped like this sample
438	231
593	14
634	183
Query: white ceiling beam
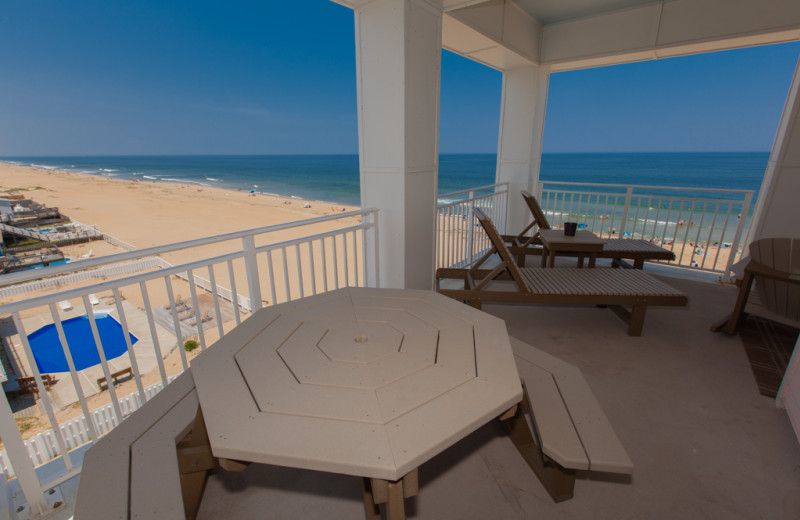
497	33
672	28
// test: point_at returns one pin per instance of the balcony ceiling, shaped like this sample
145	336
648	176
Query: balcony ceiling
548	12
569	34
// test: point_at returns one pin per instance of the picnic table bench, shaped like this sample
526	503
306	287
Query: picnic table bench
153	465
570	430
115	377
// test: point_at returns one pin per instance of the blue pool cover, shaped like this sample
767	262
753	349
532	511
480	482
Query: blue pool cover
50	357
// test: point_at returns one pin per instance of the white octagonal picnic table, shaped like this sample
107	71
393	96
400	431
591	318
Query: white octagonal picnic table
365	382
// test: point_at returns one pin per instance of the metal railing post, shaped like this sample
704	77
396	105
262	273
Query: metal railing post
471	230
251	267
628	195
737	236
18	454
376	249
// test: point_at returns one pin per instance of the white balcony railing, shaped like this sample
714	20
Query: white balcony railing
459	239
269	265
704	230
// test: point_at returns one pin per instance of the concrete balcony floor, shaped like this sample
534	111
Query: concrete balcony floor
682	400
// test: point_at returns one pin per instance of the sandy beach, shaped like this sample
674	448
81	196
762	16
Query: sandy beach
148	214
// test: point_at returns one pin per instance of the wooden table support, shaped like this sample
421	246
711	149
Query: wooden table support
557	480
393	494
195	461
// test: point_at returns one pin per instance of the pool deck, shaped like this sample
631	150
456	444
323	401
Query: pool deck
63	392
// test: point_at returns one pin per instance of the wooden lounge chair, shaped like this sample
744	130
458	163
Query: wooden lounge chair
206	317
612	287
774	266
617	249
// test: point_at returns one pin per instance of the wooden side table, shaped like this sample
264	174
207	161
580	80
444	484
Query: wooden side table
584	243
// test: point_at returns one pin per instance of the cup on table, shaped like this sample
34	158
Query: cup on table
570	228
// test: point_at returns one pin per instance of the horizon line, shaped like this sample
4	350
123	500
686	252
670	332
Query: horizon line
3	157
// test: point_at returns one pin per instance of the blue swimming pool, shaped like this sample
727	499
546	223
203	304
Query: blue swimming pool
50	357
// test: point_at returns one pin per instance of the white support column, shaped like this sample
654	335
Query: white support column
776	210
519	150
398	57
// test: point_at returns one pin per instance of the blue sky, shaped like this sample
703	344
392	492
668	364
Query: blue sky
161	77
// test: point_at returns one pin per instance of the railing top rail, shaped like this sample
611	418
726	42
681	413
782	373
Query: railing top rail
479	188
462	201
663	198
161	273
680	188
18	277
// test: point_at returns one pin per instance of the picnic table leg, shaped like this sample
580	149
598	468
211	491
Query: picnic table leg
637	320
557	480
393	494
371	509
195	460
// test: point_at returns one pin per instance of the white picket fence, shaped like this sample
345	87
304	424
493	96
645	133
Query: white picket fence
44	446
125	269
114	241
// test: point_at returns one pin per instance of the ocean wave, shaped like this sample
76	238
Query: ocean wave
185	181
212	179
149	177
44	166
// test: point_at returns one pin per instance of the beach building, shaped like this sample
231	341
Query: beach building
681	399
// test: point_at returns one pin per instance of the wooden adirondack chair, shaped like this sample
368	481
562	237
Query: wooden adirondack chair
774	266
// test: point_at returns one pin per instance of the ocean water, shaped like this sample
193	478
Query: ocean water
334	178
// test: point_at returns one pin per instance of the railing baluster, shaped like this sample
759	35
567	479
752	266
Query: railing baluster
739	231
271	269
355	258
346	261
215	300
153	333
197	318
123	320
324	265
709	238
335	263
234	292
176	322
286	288
251	268
299	270
112	392
312	267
